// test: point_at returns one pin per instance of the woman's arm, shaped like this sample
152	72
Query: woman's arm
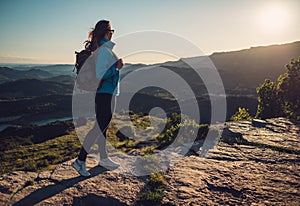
110	72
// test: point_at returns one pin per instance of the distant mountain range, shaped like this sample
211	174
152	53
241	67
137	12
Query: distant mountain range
55	69
245	68
35	72
241	72
8	74
248	68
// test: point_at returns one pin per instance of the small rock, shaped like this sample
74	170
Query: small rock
258	123
79	187
14	173
231	137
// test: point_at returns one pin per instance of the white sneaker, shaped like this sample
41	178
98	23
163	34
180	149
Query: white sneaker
108	163
80	167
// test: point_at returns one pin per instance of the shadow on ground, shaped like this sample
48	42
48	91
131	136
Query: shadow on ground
51	190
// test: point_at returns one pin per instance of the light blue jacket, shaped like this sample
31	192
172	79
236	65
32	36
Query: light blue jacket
106	69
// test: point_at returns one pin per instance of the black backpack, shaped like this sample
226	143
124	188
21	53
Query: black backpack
87	79
81	57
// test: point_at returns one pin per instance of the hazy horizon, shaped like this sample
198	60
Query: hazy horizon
163	61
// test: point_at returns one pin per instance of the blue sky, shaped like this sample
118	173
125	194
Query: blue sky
43	31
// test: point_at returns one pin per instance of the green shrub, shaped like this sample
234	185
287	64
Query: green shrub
42	163
173	125
153	191
241	114
30	165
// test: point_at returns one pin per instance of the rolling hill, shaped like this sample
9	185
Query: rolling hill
9	74
33	87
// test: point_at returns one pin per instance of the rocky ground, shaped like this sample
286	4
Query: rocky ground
256	163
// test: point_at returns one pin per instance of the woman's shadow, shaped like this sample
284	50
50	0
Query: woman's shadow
59	186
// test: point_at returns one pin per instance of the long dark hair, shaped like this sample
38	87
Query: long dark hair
96	35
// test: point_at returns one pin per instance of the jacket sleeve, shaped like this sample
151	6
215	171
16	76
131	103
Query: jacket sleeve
105	65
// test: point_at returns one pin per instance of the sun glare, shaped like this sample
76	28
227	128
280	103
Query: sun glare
273	18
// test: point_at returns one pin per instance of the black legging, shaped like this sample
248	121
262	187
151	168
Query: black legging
104	108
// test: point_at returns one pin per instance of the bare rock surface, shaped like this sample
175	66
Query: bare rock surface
260	168
65	187
251	165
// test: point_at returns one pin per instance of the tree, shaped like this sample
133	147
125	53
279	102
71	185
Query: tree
269	105
288	89
281	98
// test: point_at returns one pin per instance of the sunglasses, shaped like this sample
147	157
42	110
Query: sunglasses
111	30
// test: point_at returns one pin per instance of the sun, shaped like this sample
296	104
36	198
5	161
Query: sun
273	18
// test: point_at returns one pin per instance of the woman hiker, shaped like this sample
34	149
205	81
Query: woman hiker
106	93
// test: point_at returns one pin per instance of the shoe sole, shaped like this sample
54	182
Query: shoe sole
109	166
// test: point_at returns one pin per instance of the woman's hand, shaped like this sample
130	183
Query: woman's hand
120	64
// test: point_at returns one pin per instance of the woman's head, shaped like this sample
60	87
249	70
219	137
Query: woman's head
102	30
